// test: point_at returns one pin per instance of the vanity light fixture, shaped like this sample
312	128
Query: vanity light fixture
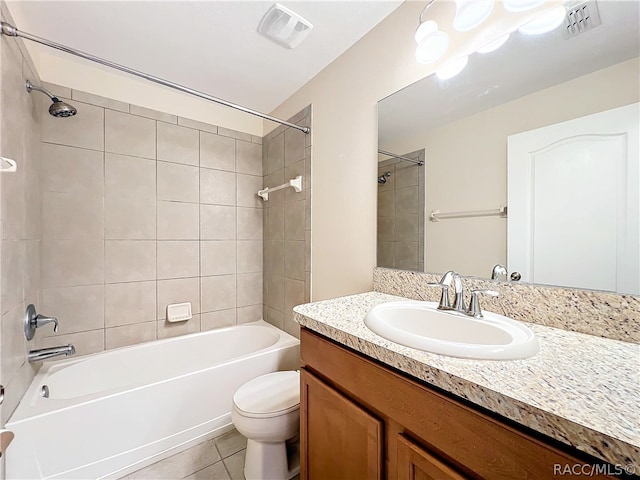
471	13
494	44
452	69
545	22
432	42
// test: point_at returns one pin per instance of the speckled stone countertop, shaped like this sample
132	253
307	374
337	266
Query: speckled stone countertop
580	389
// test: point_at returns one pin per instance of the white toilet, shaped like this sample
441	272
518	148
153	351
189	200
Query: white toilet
266	410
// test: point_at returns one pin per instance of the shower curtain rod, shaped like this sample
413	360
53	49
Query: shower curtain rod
12	31
400	157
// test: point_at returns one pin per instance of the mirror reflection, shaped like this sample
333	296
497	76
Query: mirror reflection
530	162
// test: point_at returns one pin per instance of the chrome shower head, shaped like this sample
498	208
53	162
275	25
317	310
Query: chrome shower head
58	108
382	179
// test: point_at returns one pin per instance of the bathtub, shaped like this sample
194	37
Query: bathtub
111	413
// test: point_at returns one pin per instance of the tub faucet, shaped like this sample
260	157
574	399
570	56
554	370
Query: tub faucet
444	283
44	353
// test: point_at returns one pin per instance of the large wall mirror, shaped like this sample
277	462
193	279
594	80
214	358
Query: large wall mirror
528	158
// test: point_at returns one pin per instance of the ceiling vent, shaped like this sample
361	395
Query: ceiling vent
581	18
284	26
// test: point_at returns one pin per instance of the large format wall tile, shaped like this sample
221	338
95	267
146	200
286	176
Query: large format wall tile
217	257
217	222
85	130
178	183
68	263
217	187
217	152
67	216
127	218
218	292
129	134
178	291
178	221
178	144
20	213
72	170
129	176
77	308
130	260
178	259
143	210
127	303
286	225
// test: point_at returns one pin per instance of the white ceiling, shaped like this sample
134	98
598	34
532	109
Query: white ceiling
211	46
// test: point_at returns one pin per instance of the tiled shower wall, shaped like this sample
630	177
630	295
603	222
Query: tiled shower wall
287	223
401	213
20	124
142	209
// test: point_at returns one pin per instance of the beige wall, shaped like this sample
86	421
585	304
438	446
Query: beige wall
473	152
20	202
142	209
344	97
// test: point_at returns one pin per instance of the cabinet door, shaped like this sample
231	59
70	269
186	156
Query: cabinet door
415	463
339	439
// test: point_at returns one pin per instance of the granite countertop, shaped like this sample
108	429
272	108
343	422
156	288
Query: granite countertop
580	389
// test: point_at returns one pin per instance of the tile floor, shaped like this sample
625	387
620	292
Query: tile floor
221	458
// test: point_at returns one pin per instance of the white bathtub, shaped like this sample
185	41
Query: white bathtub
114	412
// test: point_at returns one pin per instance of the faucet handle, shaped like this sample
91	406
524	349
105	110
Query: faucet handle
42	320
474	303
33	320
444	297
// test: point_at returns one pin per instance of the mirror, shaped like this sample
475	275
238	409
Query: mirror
468	130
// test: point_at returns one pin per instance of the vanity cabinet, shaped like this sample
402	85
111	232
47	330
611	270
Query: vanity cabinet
363	420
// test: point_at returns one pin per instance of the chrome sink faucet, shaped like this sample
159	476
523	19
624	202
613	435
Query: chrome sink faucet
444	283
452	277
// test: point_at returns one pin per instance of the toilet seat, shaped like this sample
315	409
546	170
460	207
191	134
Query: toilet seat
269	395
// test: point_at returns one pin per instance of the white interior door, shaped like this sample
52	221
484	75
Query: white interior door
574	205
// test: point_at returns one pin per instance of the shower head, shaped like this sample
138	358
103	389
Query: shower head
382	179
58	108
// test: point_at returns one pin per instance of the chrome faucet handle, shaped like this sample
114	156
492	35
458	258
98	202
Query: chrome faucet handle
444	297
33	320
42	320
474	304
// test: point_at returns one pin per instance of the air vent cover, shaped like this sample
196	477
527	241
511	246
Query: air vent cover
284	26
580	18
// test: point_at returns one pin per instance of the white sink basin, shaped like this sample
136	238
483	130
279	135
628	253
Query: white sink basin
420	325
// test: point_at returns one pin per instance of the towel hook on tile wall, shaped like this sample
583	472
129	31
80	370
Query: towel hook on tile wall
11	31
7	165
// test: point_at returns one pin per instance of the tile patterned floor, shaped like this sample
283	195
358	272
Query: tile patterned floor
221	458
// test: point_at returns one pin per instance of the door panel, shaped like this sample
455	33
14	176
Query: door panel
574	202
339	439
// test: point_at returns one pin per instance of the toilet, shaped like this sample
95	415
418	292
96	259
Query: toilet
266	410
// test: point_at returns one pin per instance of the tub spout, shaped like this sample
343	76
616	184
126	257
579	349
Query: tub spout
44	353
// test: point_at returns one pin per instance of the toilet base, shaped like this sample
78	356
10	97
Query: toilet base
271	461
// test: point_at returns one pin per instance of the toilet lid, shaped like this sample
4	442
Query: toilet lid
269	395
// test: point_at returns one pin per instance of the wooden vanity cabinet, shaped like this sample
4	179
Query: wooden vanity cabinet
362	420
